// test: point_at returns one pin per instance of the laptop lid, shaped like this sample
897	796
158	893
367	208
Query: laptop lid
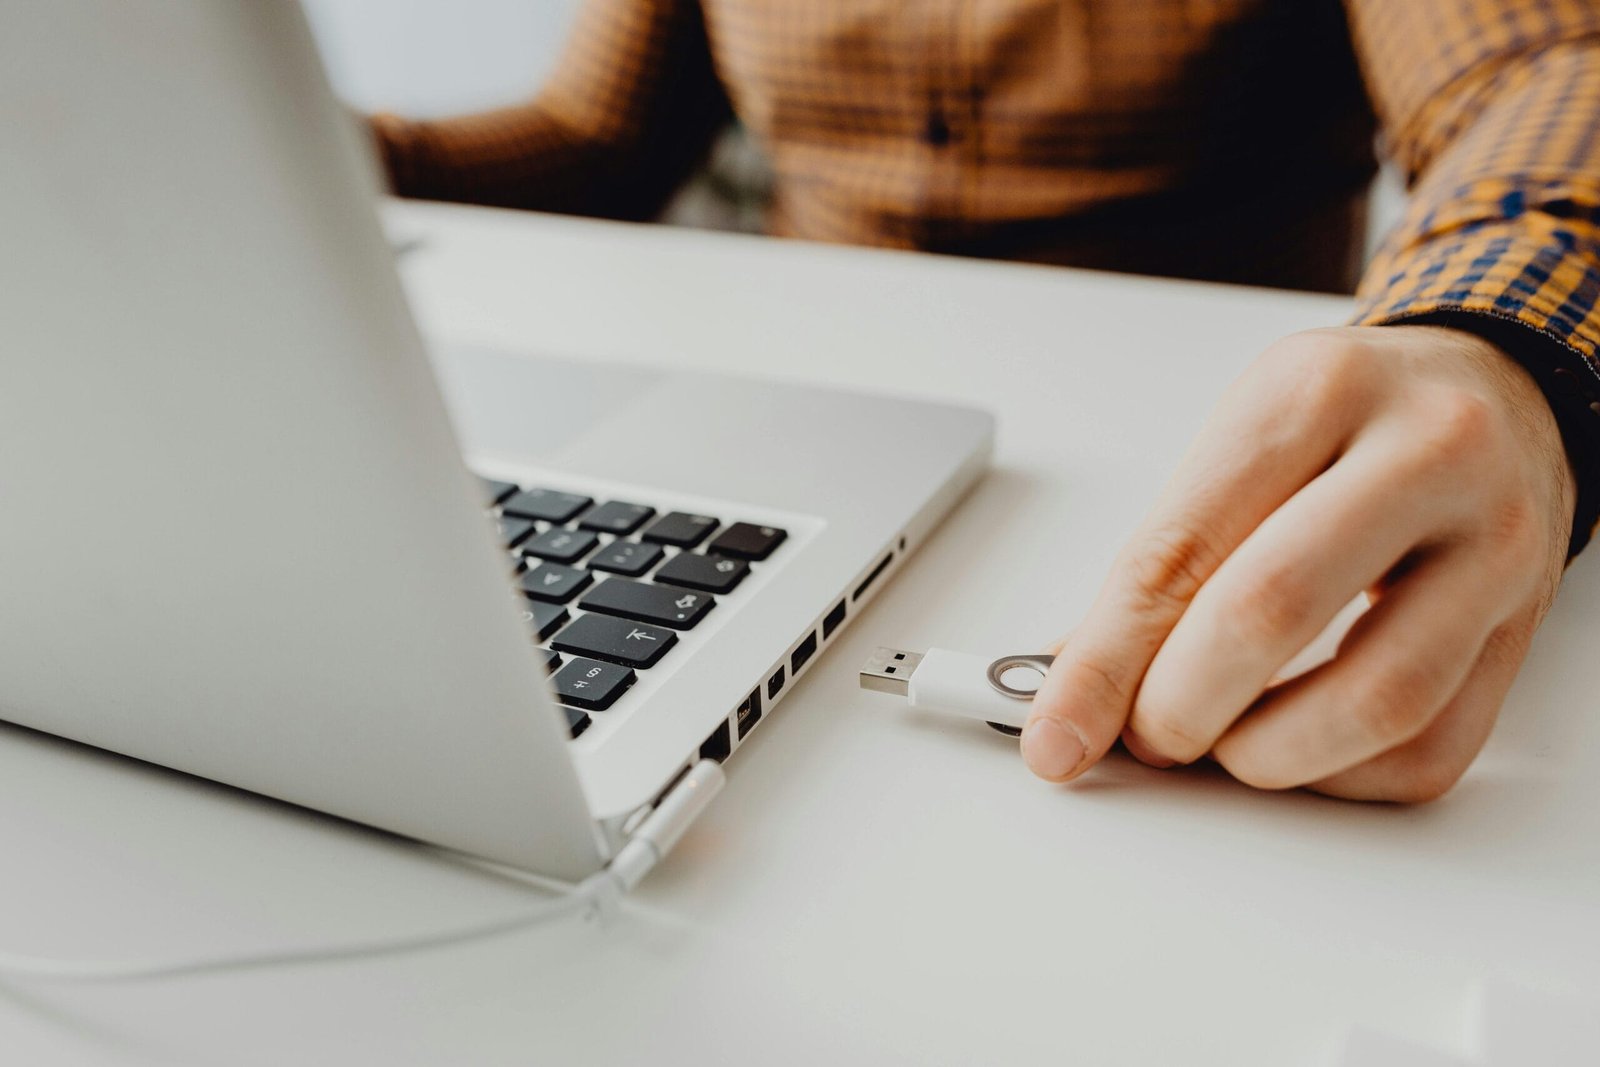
238	539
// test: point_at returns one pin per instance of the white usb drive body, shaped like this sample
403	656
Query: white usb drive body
995	689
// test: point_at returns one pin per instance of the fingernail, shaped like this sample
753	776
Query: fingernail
1052	749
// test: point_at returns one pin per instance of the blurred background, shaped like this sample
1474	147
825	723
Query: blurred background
425	58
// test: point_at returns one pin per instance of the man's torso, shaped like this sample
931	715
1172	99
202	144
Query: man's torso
1217	138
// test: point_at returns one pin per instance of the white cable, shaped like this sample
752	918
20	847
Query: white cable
598	896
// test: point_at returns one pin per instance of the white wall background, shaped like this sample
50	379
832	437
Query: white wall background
433	57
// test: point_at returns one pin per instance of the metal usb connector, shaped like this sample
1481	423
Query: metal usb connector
889	671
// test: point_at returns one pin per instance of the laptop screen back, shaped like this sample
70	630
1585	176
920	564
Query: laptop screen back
237	536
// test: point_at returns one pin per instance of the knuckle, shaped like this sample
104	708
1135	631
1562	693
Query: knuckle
1320	372
1103	681
1165	732
1169	565
1456	428
1508	643
1398	702
1273	605
1514	529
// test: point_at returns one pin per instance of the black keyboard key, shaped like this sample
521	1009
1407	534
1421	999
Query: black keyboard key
562	546
714	574
514	531
616	517
546	504
554	583
496	491
626	557
552	660
590	684
544	619
577	721
665	605
622	641
680	528
747	541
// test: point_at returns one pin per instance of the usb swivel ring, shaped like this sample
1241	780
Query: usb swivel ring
1034	665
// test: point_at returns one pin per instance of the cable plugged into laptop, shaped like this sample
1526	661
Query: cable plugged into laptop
672	815
597	897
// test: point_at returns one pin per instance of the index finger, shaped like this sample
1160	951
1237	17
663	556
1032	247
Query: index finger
1277	429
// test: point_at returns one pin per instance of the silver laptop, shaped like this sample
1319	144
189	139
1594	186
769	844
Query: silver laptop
249	529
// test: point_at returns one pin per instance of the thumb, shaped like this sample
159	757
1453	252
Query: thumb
1078	712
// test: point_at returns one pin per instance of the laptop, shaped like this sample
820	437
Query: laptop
254	530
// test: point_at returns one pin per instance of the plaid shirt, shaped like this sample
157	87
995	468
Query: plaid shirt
1224	139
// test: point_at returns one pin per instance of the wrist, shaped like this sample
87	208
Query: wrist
1554	386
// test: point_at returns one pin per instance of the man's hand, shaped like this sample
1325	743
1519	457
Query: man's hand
1418	464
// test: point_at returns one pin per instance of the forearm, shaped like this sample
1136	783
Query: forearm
630	109
519	157
1502	237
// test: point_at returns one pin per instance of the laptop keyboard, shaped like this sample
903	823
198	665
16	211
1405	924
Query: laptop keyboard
610	585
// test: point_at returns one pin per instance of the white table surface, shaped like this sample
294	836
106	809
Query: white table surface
874	886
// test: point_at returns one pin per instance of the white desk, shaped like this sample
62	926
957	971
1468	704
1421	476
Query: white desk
873	887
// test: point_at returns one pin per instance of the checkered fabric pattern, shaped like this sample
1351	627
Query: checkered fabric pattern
1223	139
1493	111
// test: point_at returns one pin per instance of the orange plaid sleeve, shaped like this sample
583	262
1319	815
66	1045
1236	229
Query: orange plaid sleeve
1492	109
629	110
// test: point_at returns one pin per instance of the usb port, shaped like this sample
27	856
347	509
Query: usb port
831	622
804	652
774	684
718	745
749	712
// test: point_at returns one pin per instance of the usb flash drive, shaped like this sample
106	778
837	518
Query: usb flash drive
996	690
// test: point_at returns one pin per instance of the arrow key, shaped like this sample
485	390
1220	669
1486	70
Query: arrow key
621	641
